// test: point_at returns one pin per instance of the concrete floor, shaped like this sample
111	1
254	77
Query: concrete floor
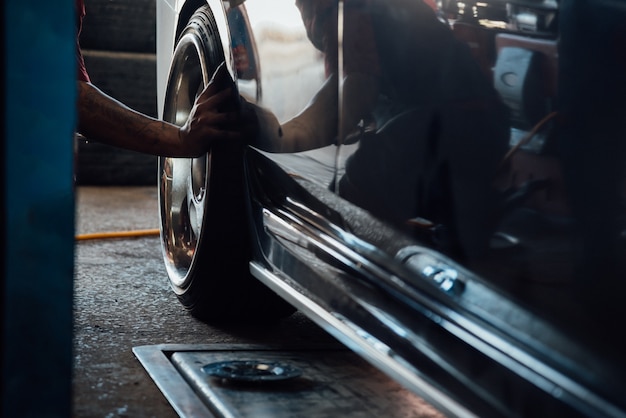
122	299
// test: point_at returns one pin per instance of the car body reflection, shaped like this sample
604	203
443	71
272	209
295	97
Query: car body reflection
440	186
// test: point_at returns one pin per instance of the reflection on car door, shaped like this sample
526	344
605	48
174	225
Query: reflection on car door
472	136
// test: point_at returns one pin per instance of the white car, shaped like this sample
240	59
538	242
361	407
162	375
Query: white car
440	185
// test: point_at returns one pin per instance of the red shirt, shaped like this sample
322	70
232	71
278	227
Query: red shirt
80	13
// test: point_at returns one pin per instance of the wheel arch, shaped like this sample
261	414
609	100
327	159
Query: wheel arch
219	14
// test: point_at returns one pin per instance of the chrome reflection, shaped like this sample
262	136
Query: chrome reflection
183	181
444	275
361	342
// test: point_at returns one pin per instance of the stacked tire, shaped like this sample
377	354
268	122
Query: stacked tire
119	45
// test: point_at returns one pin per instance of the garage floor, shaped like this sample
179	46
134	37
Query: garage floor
122	300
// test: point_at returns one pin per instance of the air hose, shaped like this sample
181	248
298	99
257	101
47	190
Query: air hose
118	234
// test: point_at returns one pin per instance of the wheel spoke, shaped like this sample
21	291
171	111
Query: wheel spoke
198	190
182	197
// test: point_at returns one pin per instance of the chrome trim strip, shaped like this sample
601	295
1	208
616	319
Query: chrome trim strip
359	341
313	232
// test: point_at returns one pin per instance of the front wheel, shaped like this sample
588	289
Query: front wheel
204	228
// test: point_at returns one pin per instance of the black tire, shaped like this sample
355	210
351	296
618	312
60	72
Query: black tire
205	233
120	25
130	78
104	165
118	43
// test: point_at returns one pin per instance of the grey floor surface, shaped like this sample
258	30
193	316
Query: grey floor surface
122	299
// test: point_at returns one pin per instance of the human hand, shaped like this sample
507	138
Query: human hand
214	116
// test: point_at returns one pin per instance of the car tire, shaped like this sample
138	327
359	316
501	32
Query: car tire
205	233
118	41
119	25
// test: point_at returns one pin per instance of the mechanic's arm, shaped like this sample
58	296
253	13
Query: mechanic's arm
317	125
314	127
213	117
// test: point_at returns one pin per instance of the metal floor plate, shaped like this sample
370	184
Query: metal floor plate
333	382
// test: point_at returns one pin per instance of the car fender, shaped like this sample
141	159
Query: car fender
172	16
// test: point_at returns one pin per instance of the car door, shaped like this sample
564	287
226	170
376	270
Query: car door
469	149
440	186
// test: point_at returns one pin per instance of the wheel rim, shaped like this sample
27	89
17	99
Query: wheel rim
183	181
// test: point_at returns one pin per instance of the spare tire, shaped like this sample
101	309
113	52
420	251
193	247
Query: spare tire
119	42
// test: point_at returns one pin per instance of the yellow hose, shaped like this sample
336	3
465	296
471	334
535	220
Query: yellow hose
119	234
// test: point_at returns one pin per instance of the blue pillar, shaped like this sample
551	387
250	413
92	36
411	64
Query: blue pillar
38	221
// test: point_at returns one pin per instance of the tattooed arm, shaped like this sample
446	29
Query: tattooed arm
213	117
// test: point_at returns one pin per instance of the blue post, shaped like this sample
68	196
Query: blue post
38	223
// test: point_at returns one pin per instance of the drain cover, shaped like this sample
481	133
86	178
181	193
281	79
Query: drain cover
251	371
265	381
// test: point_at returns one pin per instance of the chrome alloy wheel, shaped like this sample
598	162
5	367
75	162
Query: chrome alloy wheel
183	181
205	234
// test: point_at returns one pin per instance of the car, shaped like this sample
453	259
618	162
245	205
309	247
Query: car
439	185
